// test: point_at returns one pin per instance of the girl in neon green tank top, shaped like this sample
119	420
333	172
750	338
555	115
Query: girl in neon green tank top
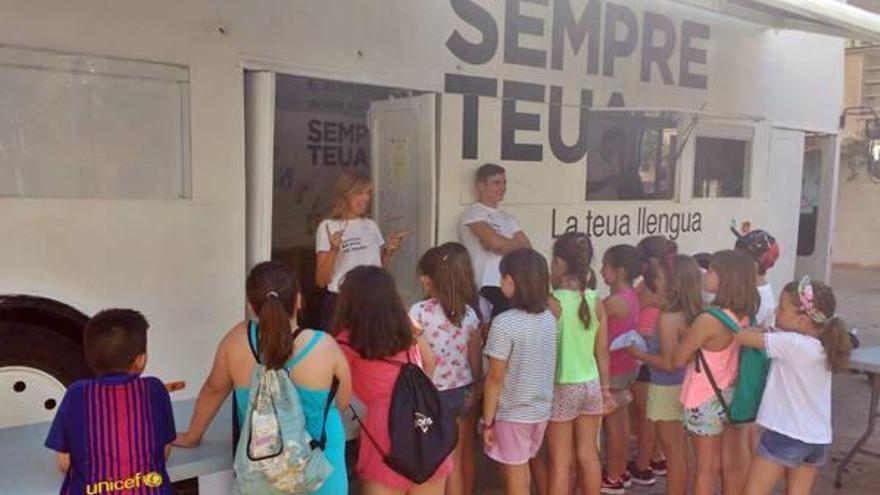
581	393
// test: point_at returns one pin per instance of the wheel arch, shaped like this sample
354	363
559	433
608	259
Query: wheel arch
51	314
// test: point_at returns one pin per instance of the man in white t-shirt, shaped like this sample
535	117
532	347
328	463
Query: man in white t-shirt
489	233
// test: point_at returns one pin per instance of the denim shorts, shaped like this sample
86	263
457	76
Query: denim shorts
455	400
791	452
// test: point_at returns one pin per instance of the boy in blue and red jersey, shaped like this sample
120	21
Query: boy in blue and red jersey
113	433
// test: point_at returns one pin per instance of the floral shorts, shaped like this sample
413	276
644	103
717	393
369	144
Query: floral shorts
571	400
708	418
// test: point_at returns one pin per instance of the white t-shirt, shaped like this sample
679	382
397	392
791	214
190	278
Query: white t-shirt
486	263
797	398
766	316
361	245
448	341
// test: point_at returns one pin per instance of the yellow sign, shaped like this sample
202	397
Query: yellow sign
149	480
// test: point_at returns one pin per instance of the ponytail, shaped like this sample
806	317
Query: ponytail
275	339
816	300
576	250
837	344
448	266
272	290
591	279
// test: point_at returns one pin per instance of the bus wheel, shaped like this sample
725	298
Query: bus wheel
36	366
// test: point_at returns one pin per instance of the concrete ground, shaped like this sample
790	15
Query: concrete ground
858	296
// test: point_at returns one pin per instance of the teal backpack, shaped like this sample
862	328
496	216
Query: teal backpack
275	454
752	376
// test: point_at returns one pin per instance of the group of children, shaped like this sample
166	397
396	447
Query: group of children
691	360
539	380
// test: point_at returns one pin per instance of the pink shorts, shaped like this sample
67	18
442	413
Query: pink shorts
516	443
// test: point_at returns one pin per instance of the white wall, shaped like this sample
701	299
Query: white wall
858	228
789	80
183	262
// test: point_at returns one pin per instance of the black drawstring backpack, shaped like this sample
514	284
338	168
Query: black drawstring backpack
422	431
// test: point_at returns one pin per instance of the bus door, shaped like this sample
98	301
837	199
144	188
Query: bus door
403	151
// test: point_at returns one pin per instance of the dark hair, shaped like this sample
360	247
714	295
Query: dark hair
737	282
488	170
449	268
370	308
656	252
834	337
683	292
761	246
531	279
576	250
626	257
703	259
113	339
272	289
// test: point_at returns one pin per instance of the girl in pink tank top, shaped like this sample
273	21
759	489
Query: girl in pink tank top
621	265
731	278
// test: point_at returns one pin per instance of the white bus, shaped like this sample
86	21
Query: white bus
150	152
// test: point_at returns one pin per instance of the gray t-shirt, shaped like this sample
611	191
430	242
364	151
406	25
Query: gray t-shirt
527	342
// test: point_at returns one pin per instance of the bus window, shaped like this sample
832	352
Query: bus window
77	126
720	169
657	162
632	155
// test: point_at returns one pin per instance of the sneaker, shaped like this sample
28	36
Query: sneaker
612	487
659	467
641	477
626	479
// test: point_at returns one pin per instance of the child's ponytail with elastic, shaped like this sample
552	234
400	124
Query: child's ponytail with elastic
272	292
275	340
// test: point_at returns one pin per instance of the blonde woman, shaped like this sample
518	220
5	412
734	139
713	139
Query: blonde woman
347	238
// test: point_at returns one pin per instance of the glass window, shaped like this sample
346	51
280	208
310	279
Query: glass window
721	168
74	126
811	186
632	155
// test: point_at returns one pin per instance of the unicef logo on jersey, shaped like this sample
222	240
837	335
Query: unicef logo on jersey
423	422
150	480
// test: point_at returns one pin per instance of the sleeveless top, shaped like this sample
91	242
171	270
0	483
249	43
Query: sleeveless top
622	362
312	401
372	381
658	376
648	318
575	355
724	364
